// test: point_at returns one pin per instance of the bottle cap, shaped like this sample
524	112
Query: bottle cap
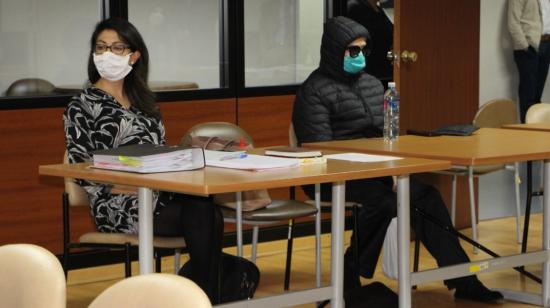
391	84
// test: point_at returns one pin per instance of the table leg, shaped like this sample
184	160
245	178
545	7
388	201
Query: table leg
403	240
145	212
318	238
337	257
546	235
239	212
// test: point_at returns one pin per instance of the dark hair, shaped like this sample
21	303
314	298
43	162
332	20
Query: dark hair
135	83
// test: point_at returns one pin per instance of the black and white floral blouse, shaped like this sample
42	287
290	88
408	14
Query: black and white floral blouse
94	120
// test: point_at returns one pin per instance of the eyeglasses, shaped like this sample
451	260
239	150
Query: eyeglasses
117	48
355	50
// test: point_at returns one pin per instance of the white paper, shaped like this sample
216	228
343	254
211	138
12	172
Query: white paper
255	162
210	155
361	157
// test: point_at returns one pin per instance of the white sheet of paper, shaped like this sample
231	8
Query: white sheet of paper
361	157
212	156
255	163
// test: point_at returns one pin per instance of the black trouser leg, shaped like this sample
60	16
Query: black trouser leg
201	223
527	62
443	246
379	206
373	219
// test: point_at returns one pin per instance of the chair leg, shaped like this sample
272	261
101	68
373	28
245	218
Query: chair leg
66	262
255	231
517	181
66	234
289	244
177	256
158	260
528	200
472	205
127	261
453	199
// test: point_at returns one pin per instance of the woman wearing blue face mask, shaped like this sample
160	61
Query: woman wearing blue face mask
119	109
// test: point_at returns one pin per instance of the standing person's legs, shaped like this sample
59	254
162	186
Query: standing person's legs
542	71
527	62
201	224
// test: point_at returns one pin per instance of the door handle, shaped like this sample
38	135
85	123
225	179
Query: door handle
409	56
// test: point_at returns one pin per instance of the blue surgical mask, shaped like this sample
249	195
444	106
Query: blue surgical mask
354	65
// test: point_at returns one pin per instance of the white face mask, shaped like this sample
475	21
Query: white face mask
112	67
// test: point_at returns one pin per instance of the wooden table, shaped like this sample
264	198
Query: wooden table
217	180
542	127
486	146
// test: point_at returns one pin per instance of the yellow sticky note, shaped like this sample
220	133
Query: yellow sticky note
129	161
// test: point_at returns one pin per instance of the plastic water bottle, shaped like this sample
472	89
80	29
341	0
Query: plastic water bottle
391	113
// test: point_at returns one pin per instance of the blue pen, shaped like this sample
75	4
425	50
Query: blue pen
234	156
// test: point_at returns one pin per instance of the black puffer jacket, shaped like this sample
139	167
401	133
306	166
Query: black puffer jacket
332	104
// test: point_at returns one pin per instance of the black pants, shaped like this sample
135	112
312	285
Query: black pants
532	68
379	207
200	222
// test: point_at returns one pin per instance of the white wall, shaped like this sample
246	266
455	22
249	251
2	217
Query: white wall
498	78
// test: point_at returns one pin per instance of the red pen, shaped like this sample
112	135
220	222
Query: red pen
241	143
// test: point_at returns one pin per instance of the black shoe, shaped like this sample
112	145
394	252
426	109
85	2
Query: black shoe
474	290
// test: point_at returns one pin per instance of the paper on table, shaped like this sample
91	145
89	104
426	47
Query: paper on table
361	157
255	163
210	155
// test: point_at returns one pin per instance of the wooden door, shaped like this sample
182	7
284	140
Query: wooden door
442	86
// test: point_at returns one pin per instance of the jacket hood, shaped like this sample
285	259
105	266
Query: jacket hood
338	33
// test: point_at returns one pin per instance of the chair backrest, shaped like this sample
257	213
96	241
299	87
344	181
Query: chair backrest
224	130
495	113
77	195
538	113
153	290
30	276
292	139
30	86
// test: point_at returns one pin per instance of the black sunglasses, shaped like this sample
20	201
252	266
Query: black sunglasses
355	50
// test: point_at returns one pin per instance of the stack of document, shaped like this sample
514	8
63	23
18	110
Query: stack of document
149	158
243	161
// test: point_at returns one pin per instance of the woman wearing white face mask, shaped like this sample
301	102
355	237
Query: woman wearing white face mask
119	109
